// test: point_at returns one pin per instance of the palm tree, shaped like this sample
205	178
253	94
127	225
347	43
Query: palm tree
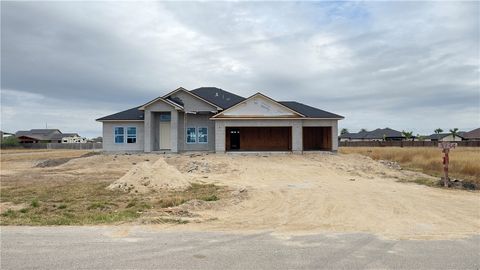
343	131
454	133
438	131
407	134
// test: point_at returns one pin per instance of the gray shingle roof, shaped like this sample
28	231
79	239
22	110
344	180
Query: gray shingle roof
217	96
378	133
440	136
309	111
40	134
472	134
359	135
130	114
224	99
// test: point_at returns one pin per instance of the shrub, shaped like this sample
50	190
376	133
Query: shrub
11	141
9	213
34	203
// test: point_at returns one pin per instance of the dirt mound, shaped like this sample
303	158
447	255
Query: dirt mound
199	164
145	177
52	162
60	161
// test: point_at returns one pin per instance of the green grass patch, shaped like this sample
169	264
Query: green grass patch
34	203
89	202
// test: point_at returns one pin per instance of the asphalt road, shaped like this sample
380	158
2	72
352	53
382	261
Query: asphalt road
108	247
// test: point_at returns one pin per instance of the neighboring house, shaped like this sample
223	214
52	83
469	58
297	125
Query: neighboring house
4	135
39	135
379	134
444	137
359	136
73	138
212	119
43	136
96	140
473	135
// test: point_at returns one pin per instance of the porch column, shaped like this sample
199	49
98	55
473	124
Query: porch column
297	139
334	135
174	131
148	131
219	136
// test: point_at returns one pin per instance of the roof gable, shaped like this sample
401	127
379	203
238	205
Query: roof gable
181	89
161	99
259	106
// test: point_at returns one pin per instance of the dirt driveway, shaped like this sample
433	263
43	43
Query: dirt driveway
286	194
298	194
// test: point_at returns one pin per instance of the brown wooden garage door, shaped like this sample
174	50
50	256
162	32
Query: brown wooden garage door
258	138
317	138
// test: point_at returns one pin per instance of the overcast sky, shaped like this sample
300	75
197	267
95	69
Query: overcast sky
405	65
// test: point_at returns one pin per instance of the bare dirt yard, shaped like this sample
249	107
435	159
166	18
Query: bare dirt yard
281	193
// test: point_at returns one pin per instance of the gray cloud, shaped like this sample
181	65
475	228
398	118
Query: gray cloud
407	65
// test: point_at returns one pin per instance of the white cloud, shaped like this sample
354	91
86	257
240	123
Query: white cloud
385	64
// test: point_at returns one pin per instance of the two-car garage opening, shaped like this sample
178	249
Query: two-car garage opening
276	138
259	138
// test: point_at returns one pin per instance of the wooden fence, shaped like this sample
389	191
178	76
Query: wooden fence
404	144
72	146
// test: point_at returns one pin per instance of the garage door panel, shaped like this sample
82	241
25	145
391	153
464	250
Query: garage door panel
317	138
262	138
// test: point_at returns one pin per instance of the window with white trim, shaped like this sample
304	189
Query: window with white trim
131	135
119	134
191	135
202	135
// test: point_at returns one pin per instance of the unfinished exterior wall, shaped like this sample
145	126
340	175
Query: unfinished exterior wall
195	120
109	136
256	106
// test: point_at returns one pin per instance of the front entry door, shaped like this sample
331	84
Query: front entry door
165	135
235	139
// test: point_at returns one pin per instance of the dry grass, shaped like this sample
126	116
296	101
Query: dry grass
464	161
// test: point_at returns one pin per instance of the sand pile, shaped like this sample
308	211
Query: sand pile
145	177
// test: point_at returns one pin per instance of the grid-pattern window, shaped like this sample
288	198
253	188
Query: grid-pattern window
203	135
191	135
119	135
164	117
131	135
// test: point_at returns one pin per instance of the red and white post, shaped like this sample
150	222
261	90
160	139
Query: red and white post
446	146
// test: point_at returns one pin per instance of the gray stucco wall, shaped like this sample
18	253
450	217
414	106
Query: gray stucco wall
193	104
297	129
195	120
151	120
109	136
